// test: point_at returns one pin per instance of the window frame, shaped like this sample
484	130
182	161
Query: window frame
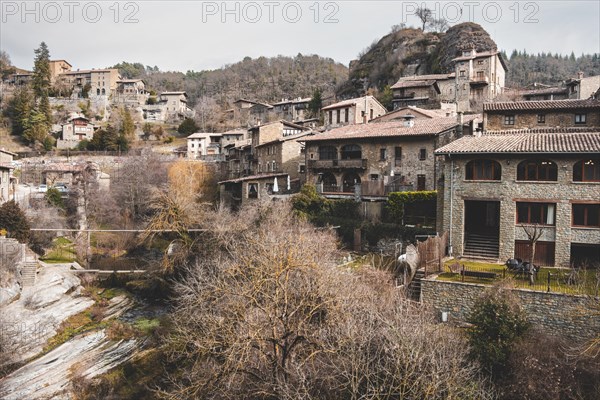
541	118
548	167
581	172
473	167
422	154
586	211
383	154
509	119
543	213
580	119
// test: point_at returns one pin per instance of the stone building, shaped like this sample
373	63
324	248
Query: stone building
7	181
582	87
239	158
499	186
274	148
479	78
417	113
541	114
353	111
372	160
100	82
428	91
131	92
74	131
251	112
241	191
292	110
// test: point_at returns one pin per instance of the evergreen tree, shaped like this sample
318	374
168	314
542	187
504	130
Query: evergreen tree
14	221
35	127
316	103
127	124
19	109
41	80
187	127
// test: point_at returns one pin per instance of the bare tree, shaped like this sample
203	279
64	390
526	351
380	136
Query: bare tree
265	313
425	15
438	25
534	233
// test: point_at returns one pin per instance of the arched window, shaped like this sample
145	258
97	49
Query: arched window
327	153
329	182
103	91
537	170
483	170
351	152
350	180
587	170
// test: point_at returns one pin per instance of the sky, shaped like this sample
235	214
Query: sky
200	35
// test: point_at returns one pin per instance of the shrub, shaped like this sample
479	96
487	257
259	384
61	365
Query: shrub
497	322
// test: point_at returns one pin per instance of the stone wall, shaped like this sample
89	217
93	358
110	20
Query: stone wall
508	191
494	121
557	314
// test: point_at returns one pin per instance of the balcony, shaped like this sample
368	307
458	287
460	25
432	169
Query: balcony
479	80
359	163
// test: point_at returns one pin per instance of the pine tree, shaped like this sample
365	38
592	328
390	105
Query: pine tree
41	80
19	109
316	103
14	221
127	124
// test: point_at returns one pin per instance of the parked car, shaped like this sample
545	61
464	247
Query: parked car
61	188
42	188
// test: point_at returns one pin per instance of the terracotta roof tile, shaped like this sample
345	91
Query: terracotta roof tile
415	83
561	142
422	127
541	105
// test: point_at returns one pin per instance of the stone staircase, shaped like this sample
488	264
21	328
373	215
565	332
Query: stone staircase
28	273
481	246
414	288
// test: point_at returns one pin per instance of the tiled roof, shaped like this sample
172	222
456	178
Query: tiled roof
541	105
573	142
293	101
415	83
422	127
570	129
349	102
285	139
551	90
436	77
410	110
477	55
254	177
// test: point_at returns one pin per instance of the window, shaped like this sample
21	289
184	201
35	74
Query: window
537	170
541	119
330	117
483	170
327	153
420	183
382	154
586	215
374	177
253	190
337	113
536	213
509	120
370	114
346	114
351	152
479	62
580	118
422	154
462	72
302	168
587	170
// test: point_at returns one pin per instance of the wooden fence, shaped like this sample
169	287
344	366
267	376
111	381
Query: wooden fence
431	254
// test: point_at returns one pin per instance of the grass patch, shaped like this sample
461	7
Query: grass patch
63	251
73	326
556	280
147	326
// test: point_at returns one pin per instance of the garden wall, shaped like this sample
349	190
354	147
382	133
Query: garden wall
568	316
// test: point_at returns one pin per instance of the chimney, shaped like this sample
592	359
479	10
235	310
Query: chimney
460	122
408	120
580	75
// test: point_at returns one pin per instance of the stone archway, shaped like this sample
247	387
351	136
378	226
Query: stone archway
349	182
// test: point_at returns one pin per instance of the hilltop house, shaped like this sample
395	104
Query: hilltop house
76	129
499	184
169	106
353	111
98	82
251	112
7	181
209	146
131	91
582	88
426	90
369	161
292	110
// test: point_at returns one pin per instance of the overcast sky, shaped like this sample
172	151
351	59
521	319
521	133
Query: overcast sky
197	35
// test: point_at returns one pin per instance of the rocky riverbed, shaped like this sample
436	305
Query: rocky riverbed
33	315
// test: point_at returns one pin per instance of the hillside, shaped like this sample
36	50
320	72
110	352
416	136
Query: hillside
411	51
263	79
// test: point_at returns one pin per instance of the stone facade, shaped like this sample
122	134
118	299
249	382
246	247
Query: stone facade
374	170
563	192
479	78
353	111
282	156
557	314
496	120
